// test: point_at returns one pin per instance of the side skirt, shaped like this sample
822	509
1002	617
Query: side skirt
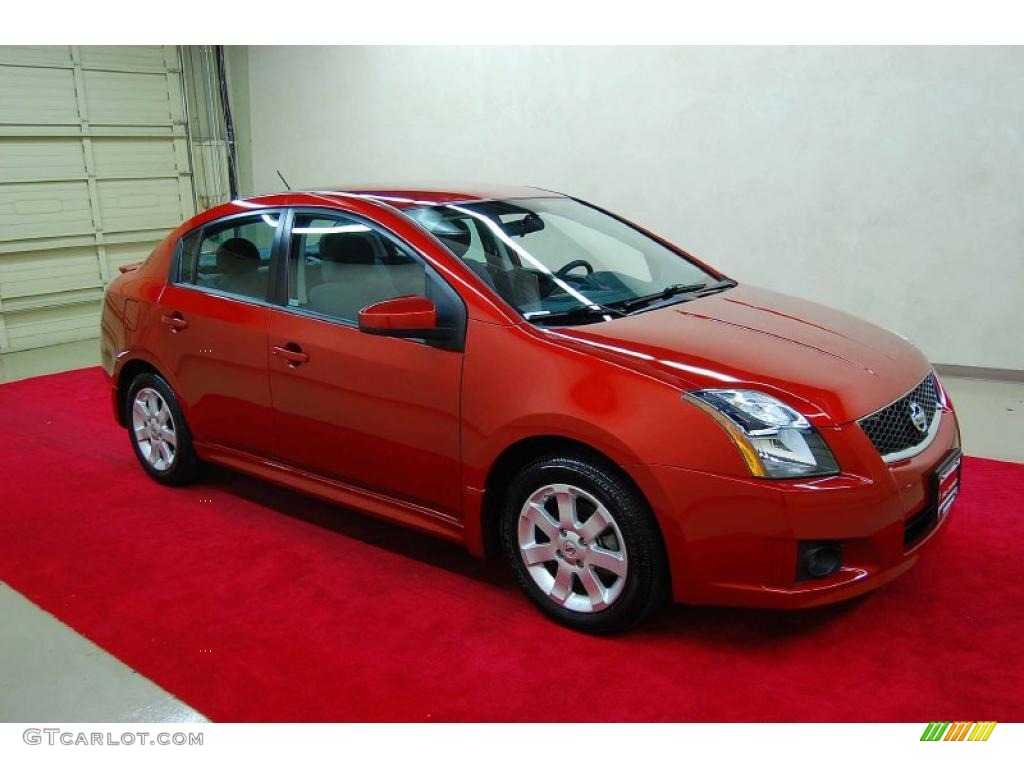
369	502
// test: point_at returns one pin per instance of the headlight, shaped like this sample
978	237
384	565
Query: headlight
775	440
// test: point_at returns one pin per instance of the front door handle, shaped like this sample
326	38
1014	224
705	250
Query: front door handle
293	353
175	322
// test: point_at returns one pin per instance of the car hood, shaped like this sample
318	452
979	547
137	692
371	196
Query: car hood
830	365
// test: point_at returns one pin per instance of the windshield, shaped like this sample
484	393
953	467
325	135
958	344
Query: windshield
558	260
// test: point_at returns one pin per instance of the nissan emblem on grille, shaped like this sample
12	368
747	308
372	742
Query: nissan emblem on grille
901	429
918	418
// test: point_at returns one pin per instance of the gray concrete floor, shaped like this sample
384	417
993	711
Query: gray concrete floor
59	357
991	415
49	673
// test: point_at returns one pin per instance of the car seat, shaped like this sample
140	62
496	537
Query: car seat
238	262
351	277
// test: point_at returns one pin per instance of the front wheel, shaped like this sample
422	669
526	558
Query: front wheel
158	432
583	544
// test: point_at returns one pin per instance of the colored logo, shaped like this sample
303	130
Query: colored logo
917	417
959	731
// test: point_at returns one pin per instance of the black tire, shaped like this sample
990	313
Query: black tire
646	578
184	468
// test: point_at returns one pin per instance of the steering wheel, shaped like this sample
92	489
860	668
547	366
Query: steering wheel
567	268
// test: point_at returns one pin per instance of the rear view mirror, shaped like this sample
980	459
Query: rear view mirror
524	226
409	317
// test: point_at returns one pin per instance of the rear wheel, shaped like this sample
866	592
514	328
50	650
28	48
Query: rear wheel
583	544
158	433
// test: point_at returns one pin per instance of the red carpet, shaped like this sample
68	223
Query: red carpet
253	603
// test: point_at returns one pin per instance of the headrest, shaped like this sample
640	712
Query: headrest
239	248
347	248
237	255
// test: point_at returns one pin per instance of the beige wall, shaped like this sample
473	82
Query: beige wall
884	181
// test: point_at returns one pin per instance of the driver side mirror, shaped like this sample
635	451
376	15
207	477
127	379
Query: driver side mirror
405	317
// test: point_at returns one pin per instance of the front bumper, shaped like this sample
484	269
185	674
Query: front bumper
734	541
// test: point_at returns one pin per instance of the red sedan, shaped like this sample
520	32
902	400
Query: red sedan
523	372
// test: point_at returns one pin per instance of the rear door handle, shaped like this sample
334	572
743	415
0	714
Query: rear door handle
293	353
175	322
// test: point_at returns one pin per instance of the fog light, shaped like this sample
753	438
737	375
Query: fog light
818	559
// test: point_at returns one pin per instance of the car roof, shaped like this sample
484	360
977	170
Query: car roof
407	196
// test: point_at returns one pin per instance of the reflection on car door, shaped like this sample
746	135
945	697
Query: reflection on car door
375	412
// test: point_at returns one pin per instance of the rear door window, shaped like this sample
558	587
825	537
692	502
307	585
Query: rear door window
232	256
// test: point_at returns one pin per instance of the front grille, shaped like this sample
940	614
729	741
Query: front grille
891	430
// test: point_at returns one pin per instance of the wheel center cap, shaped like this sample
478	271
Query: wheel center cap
572	549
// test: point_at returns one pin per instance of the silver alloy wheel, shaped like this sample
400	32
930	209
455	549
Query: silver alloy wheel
572	548
153	425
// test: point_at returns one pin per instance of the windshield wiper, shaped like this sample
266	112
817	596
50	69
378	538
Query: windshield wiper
582	312
666	293
696	289
724	285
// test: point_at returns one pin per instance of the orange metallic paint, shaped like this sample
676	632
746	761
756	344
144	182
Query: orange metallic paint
377	412
410	432
219	364
403	313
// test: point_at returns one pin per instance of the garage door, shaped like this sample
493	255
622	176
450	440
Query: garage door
94	171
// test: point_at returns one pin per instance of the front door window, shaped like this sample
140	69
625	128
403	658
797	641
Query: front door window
339	265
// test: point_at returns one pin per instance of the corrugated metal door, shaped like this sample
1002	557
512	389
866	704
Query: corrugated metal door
94	171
